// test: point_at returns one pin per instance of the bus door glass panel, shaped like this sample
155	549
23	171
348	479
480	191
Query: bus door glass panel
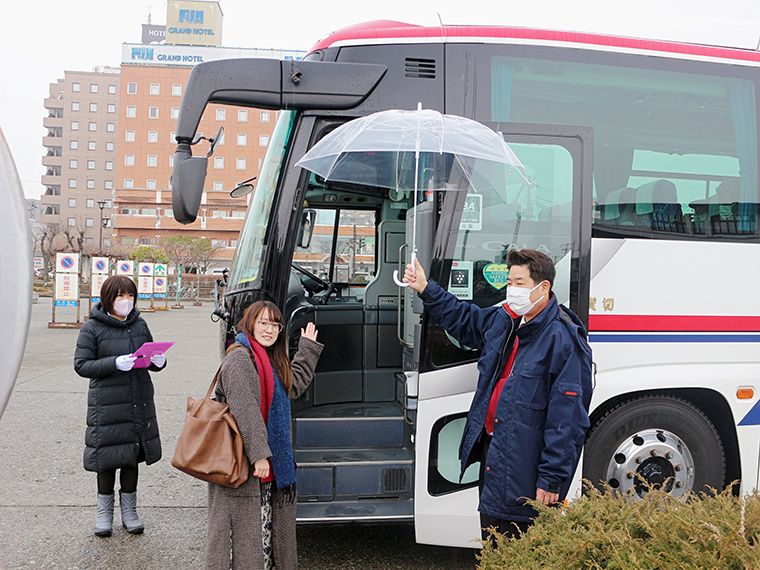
340	254
536	212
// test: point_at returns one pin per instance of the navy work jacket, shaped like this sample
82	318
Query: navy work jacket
542	413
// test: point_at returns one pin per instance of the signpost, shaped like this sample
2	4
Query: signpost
66	292
145	284
159	285
99	273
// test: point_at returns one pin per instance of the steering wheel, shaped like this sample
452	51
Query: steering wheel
324	288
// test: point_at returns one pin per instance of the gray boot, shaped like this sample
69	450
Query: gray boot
128	504
104	521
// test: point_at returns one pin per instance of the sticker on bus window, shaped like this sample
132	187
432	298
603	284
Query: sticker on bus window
496	275
472	215
460	279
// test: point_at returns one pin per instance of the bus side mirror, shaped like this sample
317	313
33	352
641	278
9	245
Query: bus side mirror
307	228
188	177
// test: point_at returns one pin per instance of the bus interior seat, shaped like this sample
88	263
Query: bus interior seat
561	213
657	207
620	207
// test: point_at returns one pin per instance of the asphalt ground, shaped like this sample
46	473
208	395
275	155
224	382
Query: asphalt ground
47	499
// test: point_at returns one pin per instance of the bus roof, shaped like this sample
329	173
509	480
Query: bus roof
379	32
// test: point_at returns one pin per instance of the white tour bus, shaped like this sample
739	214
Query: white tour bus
642	162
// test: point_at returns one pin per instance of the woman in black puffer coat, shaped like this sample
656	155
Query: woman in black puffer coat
121	417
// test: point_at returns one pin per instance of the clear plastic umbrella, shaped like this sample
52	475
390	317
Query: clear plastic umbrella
374	150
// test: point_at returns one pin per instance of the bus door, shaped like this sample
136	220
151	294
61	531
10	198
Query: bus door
550	212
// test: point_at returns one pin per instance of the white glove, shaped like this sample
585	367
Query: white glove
125	362
158	359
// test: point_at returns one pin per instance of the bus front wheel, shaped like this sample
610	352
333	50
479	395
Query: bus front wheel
657	441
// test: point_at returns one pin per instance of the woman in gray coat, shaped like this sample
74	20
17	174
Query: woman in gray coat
257	381
121	417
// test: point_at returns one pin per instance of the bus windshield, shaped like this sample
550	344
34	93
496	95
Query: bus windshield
245	267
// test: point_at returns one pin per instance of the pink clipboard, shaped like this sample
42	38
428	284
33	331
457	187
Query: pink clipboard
147	350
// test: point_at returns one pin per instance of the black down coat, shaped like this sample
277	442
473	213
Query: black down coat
121	415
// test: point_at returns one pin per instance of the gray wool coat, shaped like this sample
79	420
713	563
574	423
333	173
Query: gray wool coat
121	414
239	509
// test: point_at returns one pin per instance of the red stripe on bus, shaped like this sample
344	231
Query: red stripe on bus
673	323
385	29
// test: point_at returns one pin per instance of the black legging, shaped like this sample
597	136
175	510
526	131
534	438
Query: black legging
127	479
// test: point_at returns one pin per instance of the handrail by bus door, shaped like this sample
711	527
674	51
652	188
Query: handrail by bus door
401	290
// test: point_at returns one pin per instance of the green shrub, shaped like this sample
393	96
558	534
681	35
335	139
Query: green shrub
606	530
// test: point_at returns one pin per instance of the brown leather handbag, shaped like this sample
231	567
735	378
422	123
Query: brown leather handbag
210	446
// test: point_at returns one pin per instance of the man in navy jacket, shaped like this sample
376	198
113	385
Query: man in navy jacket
529	416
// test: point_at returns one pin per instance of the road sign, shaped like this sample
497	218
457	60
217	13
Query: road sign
159	270
67	263
66	289
159	287
99	265
125	267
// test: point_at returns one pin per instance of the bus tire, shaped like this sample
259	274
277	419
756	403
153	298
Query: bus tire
657	440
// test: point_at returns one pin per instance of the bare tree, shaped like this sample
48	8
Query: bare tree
43	238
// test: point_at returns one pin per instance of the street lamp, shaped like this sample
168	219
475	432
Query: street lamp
101	205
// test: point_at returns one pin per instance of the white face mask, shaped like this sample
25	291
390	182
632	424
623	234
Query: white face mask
519	301
123	307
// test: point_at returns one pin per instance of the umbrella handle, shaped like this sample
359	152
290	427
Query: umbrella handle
395	272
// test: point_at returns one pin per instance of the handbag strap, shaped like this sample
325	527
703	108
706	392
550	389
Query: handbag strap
230	349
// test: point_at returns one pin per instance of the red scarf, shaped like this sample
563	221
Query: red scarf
266	378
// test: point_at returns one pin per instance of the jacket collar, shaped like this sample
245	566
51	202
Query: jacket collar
537	324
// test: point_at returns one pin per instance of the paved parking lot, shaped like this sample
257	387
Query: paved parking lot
47	500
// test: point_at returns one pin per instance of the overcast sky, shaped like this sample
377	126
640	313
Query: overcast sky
42	38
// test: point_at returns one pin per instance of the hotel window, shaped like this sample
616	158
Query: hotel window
74	125
72	182
238	213
242	139
129	136
112	89
72	163
176	90
155	88
152	160
150	184
72	202
90	165
243	115
131	88
93	87
111	108
218	243
171	137
72	222
93	107
218	186
90	185
109	165
91	145
131	111
75	105
263	140
219	162
75	87
93	127
129	160
74	145
219	213
90	201
110	127
129	183
240	163
108	185
233	243
89	222
175	113
153	112
109	146
221	114
152	136
265	116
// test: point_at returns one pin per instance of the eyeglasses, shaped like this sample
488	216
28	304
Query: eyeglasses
266	325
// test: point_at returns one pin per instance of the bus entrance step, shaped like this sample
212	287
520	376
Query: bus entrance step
349	426
355	511
359	476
